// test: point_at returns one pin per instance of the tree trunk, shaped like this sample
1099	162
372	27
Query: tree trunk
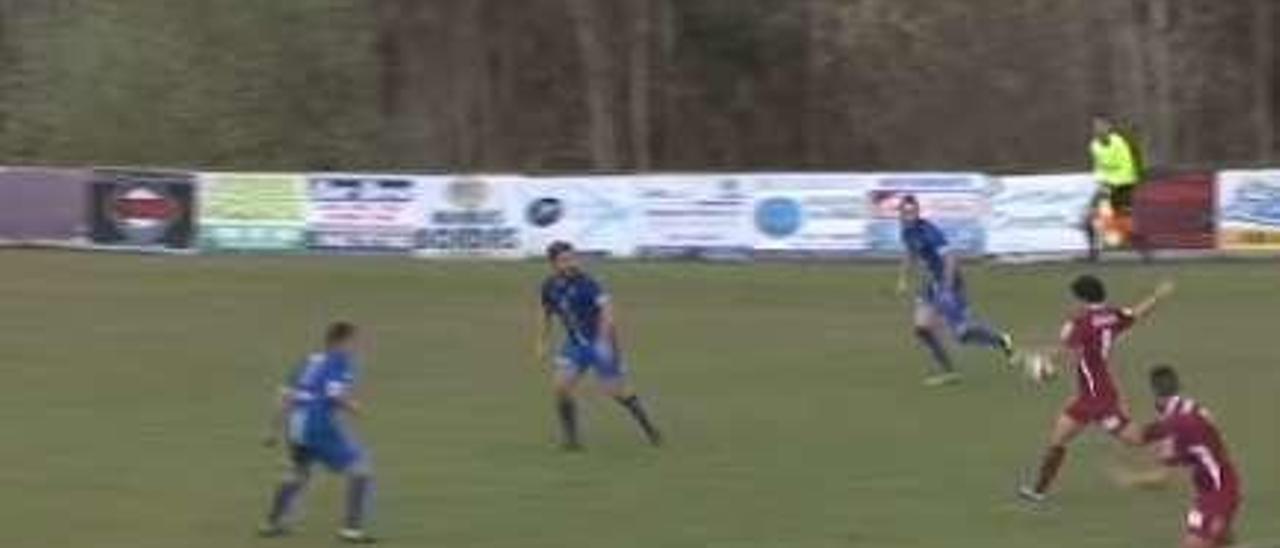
1160	32
597	85
813	111
1132	73
468	71
1264	79
641	85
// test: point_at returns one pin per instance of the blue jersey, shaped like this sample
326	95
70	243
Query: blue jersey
926	242
313	391
577	300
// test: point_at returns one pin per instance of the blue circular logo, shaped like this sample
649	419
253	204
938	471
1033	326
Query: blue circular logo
544	212
779	217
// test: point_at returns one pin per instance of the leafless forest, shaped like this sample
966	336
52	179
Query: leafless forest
552	85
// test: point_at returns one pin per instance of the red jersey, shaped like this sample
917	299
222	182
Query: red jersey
1189	438
1090	334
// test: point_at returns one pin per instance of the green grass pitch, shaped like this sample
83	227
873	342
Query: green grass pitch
136	390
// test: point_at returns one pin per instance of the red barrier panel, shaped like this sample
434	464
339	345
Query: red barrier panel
1176	212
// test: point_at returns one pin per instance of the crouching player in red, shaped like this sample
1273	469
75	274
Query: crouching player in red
1185	435
1087	340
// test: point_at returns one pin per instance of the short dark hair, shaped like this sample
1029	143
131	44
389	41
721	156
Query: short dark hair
1164	381
1089	288
908	199
558	248
339	332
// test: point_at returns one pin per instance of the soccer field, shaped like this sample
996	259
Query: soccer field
137	390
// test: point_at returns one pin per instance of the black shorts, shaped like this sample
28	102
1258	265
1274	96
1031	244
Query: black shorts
1121	198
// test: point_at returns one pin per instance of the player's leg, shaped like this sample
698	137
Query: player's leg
344	456
969	330
1065	429
613	381
570	366
1206	530
926	328
359	498
1088	224
284	499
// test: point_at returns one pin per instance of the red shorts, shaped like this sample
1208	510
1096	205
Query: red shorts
1211	517
1108	412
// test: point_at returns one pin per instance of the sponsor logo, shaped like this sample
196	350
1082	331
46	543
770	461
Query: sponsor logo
142	213
1255	201
779	217
545	212
467	193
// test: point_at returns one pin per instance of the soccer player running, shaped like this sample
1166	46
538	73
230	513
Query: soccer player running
591	343
1184	435
318	391
942	299
1087	340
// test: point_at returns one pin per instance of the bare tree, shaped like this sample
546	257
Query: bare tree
598	88
1264	79
641	83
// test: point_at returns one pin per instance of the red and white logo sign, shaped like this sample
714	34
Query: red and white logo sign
143	213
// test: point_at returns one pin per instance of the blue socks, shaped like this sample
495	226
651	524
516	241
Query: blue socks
982	335
284	500
939	353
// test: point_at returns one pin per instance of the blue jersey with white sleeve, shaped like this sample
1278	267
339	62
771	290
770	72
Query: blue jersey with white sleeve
577	300
927	244
313	391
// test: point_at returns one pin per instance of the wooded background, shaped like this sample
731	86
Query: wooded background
551	85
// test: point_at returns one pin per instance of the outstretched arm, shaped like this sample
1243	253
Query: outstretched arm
1148	305
907	268
950	266
542	339
608	328
275	425
1148	478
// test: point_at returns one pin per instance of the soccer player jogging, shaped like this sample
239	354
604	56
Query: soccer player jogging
942	298
1087	340
1184	435
591	343
318	391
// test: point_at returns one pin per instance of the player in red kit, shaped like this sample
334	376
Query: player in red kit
1184	435
1087	340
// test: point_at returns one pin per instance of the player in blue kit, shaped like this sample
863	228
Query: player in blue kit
941	299
317	393
591	343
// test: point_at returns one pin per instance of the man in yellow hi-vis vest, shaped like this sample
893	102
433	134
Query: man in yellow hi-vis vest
1116	167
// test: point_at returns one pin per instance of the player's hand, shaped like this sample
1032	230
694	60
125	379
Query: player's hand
540	355
1139	480
604	348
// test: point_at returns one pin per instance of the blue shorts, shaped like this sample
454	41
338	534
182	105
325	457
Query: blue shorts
336	452
952	306
577	359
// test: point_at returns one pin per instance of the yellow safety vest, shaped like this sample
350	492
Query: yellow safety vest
1113	161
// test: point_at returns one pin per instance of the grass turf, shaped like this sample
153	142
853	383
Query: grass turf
136	391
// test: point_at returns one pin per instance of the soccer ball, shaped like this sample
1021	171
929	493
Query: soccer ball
1040	367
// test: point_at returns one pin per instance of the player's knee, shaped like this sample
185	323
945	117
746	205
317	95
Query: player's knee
360	469
617	390
295	474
